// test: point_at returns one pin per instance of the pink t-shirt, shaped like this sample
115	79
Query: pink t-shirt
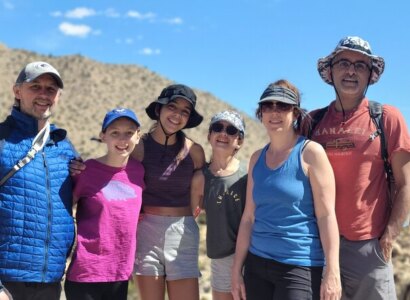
107	216
361	189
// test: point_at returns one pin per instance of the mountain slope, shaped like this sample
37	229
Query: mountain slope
93	88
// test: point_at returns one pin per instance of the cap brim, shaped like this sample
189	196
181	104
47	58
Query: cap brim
279	99
112	120
58	80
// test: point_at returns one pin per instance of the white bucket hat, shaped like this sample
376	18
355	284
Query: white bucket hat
352	43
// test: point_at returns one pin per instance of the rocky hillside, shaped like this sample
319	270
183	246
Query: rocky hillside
92	88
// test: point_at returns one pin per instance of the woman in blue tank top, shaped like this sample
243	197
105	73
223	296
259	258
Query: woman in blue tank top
288	229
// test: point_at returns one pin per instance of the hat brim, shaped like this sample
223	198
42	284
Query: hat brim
276	98
57	79
324	65
108	123
194	118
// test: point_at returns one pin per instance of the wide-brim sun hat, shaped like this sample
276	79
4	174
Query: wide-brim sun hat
279	93
231	117
356	44
169	94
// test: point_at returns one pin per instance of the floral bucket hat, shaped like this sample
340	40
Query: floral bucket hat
352	43
232	117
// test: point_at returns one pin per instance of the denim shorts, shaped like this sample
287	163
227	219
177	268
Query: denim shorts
221	269
167	246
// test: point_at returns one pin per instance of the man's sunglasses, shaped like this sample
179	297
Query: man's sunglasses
219	127
270	106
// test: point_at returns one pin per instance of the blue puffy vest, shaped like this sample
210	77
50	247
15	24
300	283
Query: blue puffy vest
36	223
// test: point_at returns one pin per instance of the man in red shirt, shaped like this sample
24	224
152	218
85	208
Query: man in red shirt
369	220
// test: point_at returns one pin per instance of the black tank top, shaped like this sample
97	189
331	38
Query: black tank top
172	190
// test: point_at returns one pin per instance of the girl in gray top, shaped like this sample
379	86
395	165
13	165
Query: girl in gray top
220	189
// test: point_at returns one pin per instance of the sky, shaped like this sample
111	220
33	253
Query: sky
230	48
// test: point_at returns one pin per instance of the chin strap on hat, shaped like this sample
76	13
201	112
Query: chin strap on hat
167	136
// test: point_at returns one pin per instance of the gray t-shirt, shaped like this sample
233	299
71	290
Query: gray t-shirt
224	202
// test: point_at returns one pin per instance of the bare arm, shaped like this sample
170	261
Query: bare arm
138	152
244	236
3	295
401	203
198	156
197	192
323	188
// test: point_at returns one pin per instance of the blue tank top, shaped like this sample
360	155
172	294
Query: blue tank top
285	227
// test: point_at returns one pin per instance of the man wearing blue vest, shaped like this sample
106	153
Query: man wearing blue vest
36	223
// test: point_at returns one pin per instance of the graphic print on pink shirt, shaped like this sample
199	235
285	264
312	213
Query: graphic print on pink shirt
107	214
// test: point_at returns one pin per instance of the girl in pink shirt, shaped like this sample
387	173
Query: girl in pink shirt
108	196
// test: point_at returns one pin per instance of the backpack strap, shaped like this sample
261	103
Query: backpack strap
180	157
376	113
315	120
38	143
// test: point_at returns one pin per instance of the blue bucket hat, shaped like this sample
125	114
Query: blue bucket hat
356	44
117	113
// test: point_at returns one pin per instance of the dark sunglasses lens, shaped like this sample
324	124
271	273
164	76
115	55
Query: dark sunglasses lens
231	130
267	106
217	127
283	106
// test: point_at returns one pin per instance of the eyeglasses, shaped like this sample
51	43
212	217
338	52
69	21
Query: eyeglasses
271	106
219	127
344	65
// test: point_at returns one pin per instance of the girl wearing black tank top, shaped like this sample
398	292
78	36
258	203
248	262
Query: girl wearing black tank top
168	236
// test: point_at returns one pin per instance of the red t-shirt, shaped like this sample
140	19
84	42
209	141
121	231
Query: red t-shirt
361	188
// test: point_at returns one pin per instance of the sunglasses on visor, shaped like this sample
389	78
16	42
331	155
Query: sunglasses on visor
219	127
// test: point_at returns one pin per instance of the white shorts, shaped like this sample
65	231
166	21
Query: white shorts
221	269
167	246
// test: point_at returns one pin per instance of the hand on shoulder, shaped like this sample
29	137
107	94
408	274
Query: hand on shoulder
4	296
198	156
138	152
